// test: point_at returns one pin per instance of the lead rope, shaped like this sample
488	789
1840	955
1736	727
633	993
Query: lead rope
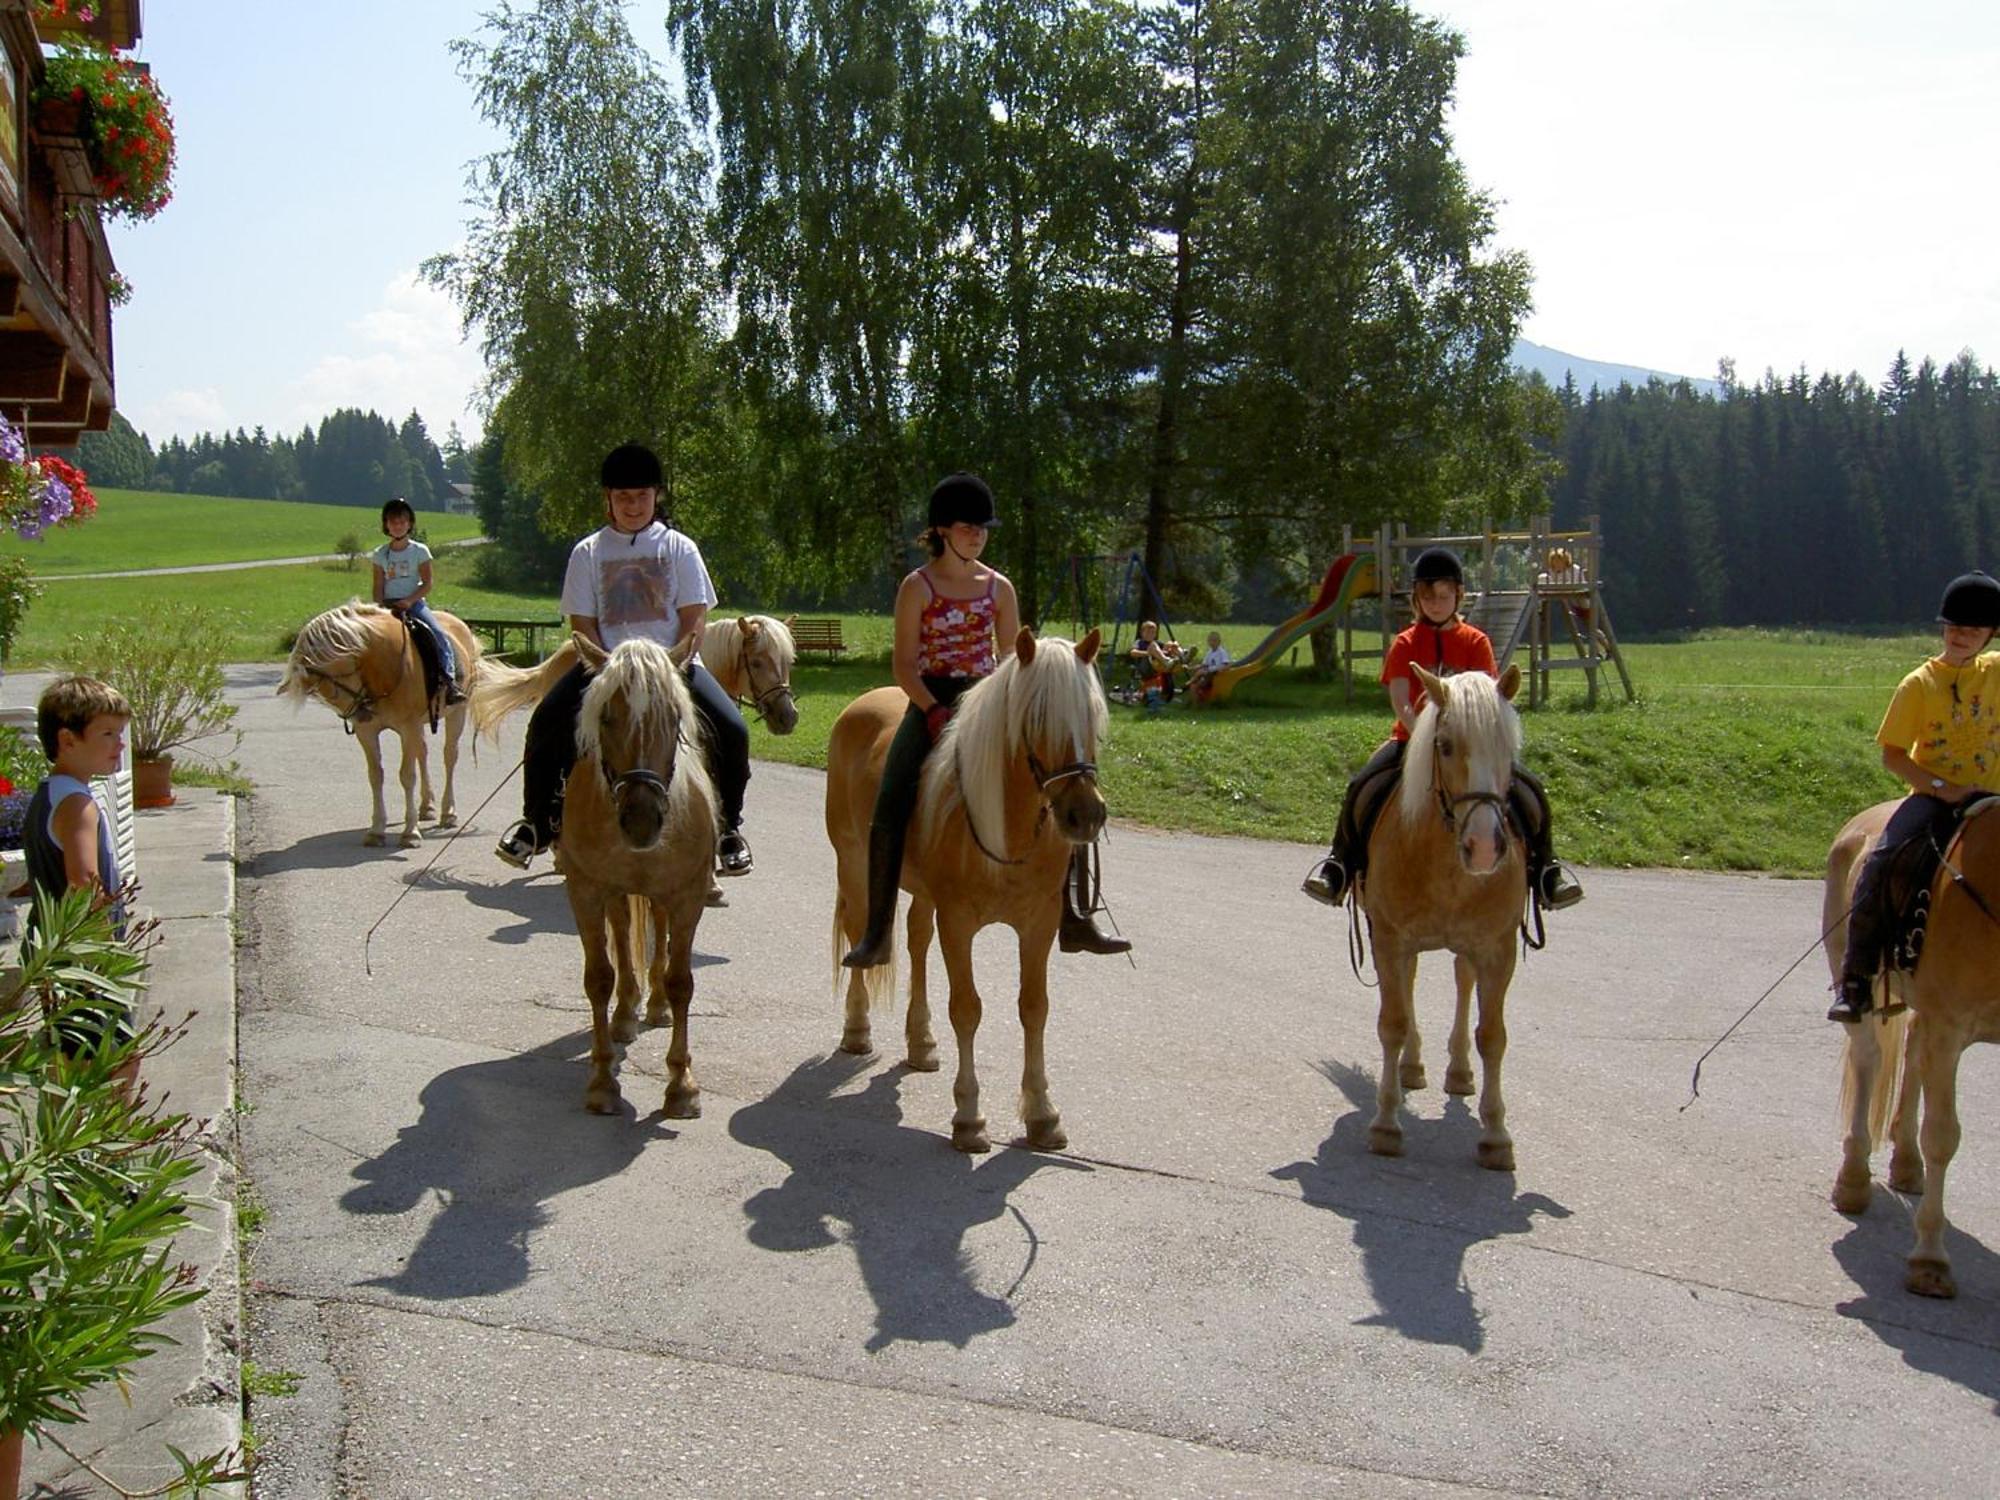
417	879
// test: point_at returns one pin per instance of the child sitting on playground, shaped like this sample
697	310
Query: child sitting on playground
1156	662
1444	643
1212	661
1940	735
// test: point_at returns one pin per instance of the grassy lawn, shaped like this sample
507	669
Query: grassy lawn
140	529
1746	750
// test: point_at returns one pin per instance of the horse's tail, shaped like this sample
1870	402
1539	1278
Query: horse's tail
878	983
498	690
1890	1035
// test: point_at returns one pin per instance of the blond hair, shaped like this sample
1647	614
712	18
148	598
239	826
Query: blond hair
71	703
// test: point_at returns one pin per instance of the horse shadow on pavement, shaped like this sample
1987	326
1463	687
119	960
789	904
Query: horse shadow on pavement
495	1141
1957	1339
342	850
906	1198
1413	1253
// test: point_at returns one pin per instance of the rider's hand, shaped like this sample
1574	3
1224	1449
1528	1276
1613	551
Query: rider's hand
935	718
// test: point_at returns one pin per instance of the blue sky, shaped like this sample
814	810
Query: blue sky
1784	182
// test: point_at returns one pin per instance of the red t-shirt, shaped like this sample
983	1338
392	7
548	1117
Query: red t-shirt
1441	650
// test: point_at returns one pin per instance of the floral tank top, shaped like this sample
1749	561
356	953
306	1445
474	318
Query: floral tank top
955	636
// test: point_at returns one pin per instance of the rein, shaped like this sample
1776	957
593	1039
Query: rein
1044	779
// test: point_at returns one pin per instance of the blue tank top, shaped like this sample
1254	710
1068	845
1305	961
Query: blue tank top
45	855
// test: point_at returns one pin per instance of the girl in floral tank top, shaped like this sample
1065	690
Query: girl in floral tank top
955	618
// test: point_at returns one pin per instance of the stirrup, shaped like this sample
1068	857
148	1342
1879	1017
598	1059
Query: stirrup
1852	1001
1327	884
1559	888
518	846
732	855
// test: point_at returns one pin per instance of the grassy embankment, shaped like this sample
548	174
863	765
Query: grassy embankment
1745	751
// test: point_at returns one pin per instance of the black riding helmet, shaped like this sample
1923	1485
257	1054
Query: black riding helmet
1434	563
962	497
398	507
631	466
1971	599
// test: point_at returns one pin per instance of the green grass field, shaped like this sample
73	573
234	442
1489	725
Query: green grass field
140	529
1746	750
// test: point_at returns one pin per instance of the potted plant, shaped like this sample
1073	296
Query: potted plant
112	103
170	671
91	1177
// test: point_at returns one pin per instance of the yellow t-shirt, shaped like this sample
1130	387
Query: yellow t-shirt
1948	719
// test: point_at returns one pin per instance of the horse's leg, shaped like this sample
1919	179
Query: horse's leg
454	727
1906	1161
968	1125
1038	1112
1396	972
1936	1053
600	1094
370	736
850	919
921	1054
1854	1184
1458	1066
413	754
1496	971
683	1101
426	803
656	973
625	1016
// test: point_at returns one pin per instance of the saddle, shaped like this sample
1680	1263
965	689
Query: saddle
427	653
1906	887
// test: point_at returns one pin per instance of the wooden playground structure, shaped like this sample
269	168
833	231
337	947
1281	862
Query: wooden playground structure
1537	589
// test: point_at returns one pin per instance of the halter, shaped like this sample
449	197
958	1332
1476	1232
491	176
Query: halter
1044	779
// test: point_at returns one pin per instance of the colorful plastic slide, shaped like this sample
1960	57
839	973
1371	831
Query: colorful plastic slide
1352	576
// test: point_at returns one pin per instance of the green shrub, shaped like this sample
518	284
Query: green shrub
170	671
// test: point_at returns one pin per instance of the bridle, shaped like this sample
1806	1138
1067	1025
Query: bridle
759	703
1044	779
1448	806
364	702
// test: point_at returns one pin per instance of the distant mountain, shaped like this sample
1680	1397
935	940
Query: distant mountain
1553	365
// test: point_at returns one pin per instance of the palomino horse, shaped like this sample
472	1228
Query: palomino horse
1954	1001
359	660
1445	870
638	838
1009	787
751	659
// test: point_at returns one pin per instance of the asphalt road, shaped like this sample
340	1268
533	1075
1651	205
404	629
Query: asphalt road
485	1290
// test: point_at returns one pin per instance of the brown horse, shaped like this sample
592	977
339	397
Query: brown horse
1446	870
1954	1001
638	840
359	660
1009	787
751	658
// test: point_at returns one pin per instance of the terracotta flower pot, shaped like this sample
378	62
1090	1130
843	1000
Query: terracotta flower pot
153	782
10	1465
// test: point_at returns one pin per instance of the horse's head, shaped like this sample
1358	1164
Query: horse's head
1059	717
1461	762
637	715
768	654
328	655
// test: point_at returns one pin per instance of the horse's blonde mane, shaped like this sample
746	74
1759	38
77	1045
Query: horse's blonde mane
1487	730
1052	705
656	699
326	643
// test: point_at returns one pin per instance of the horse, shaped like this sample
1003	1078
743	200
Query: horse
1953	1001
638	840
1446	870
751	657
359	660
1010	785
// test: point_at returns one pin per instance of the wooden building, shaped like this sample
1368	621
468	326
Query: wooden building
55	267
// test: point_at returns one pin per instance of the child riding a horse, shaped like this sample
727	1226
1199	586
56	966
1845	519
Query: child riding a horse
633	577
1941	735
403	584
949	615
1442	642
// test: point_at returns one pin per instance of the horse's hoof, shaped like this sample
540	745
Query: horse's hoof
1931	1278
1852	1197
624	1028
859	1044
371	840
1413	1076
449	820
601	1101
1496	1156
1385	1140
1459	1081
1047	1135
922	1059
412	840
657	1015
1906	1176
971	1138
682	1104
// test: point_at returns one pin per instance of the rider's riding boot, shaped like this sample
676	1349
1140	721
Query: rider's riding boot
1559	888
1328	882
885	871
1554	883
1079	932
1854	997
453	693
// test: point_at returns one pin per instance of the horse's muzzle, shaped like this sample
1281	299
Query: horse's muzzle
1079	813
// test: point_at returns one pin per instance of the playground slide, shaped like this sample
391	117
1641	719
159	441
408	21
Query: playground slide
1352	575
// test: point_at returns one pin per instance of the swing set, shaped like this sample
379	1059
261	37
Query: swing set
1136	598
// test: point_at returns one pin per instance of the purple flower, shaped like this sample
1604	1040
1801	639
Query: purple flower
28	528
13	818
12	448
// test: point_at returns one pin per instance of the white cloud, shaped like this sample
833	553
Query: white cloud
189	410
405	353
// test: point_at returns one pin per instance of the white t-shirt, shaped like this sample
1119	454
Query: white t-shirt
1217	658
399	568
635	585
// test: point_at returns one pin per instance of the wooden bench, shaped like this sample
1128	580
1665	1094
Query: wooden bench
530	632
818	635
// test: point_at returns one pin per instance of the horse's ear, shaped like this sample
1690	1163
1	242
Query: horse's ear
1510	681
681	650
1086	649
1434	688
592	655
1024	646
788	622
750	628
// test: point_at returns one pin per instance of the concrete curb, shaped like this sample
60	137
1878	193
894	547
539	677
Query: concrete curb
187	1394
